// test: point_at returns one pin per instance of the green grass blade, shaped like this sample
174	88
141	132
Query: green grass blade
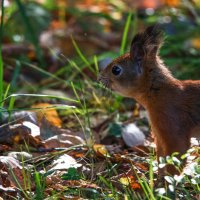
44	72
17	183
11	106
58	107
40	95
40	186
125	34
74	65
30	31
75	92
105	181
141	183
15	74
96	65
83	58
151	174
149	190
11	103
1	59
6	93
1	78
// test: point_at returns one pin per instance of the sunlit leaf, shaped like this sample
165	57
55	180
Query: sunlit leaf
50	115
100	150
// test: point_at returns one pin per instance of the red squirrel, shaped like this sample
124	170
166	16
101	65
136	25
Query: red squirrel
173	105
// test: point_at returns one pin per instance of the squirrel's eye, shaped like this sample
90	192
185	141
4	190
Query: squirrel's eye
116	70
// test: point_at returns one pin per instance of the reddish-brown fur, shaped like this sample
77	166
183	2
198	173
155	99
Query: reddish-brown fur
173	105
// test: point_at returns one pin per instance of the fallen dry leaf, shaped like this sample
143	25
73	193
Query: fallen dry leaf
141	150
64	162
50	114
9	162
20	155
172	3
10	167
196	43
80	183
129	180
54	177
7	192
63	140
34	129
125	180
100	150
18	133
135	185
4	148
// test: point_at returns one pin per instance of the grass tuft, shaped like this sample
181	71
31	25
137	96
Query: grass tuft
125	34
1	59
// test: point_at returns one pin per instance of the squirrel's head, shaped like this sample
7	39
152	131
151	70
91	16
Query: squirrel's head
126	74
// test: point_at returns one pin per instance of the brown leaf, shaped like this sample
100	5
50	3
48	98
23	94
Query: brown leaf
142	166
63	140
20	155
64	162
7	192
80	183
135	185
172	3
127	179
18	133
4	148
10	167
141	150
54	178
100	150
50	114
196	43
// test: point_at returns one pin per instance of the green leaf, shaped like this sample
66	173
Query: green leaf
115	129
125	34
72	174
39	185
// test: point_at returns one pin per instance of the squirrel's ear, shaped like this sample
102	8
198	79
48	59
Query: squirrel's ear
146	43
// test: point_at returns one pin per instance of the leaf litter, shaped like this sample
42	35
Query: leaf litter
52	144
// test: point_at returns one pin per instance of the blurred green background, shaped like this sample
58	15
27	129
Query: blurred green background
48	44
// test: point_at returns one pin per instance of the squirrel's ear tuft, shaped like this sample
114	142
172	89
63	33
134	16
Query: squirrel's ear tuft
147	43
